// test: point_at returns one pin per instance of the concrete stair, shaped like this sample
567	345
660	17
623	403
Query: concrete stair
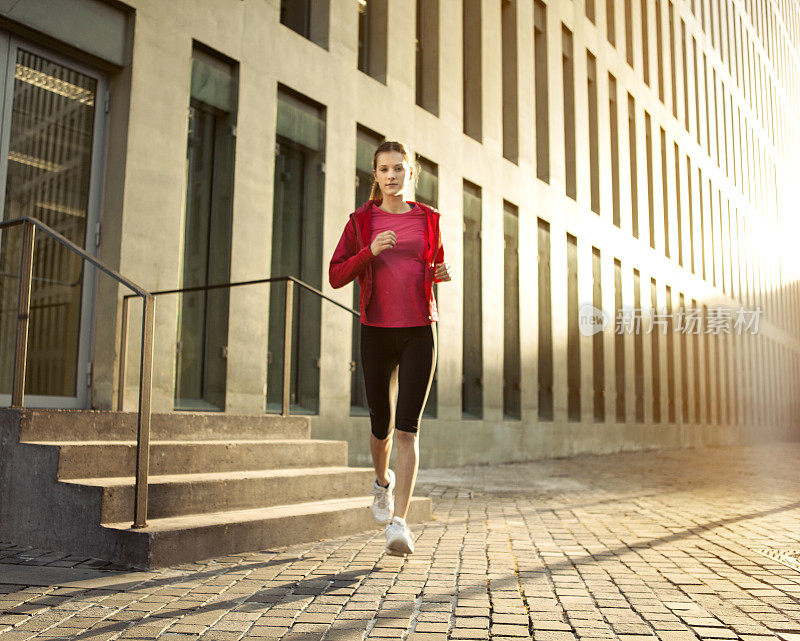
219	484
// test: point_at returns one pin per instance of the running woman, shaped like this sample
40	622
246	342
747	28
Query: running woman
394	248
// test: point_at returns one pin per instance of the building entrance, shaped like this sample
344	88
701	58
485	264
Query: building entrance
52	118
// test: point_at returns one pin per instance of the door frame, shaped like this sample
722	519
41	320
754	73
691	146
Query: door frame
9	45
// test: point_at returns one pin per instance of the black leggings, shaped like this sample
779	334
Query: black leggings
397	360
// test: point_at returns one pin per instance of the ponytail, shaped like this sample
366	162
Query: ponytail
375	195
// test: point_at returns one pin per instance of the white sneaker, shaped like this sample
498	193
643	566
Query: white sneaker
383	503
399	540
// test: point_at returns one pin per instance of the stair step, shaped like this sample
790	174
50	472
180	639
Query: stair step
105	425
97	459
219	484
181	494
172	540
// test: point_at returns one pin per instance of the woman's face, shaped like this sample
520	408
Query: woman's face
392	173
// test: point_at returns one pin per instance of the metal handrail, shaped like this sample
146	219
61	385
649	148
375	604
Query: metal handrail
287	326
30	225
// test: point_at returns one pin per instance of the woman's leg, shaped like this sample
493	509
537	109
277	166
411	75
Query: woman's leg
380	379
417	364
381	449
405	470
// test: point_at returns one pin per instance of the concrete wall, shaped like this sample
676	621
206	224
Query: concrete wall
146	186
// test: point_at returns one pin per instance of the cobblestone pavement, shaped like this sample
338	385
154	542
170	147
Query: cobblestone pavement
672	545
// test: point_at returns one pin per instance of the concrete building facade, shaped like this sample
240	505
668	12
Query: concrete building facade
628	156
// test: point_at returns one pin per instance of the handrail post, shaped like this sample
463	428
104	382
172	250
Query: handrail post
145	388
123	354
287	347
23	314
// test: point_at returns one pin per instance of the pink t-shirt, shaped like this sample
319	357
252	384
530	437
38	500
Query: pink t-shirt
398	291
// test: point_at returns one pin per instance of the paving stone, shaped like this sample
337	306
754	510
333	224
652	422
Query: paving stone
553	635
509	630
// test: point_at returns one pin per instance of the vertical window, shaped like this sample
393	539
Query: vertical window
309	18
427	192
427	189
740	257
638	351
428	55
684	366
672	67
664	191
660	52
598	354
297	214
645	44
707	349
684	67
725	130
472	346
512	385
594	153
706	100
655	355
472	72
367	142
716	118
590	10
53	110
670	359
747	161
728	26
510	98
541	84
372	22
569	113
690	202
678	200
633	167
736	48
201	366
613	127
545	365
619	346
629	31
731	245
696	91
711	22
702	221
611	27
573	335
648	148
736	151
716	234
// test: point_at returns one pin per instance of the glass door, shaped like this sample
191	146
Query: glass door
52	118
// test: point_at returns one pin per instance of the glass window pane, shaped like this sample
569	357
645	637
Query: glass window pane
512	386
297	251
49	166
201	354
472	354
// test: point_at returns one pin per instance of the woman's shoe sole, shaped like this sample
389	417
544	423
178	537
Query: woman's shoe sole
398	548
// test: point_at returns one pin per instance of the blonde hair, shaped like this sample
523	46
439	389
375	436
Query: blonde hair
390	145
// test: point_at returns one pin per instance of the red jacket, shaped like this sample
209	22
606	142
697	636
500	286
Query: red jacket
353	258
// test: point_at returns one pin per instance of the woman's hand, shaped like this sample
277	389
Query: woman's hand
384	240
443	272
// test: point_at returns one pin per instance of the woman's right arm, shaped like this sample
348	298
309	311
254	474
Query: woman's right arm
348	261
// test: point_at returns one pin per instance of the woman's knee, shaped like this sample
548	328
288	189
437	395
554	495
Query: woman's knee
381	432
405	438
